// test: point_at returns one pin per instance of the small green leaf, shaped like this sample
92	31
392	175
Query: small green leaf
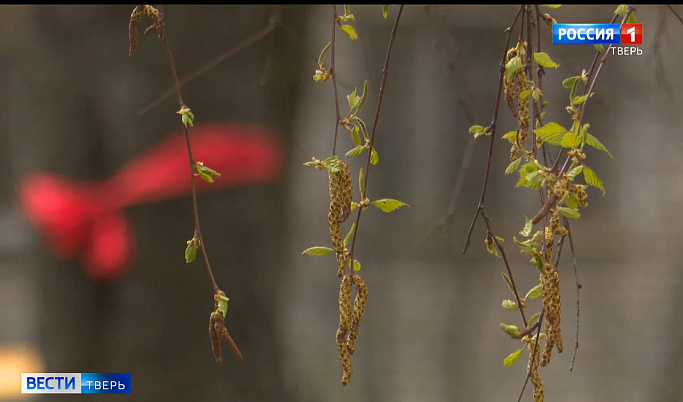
534	292
524	172
575	172
321	58
385	10
347	9
540	267
536	94
621	10
317	251
524	95
508	281
528	227
571	141
361	183
533	319
389	205
599	48
191	249
511	330
477	129
205	172
355	136
592	179
535	179
544	60
355	151
512	66
569	212
363	129
513	357
552	5
632	19
595	143
348	29
356	265
571	81
374	156
491	247
509	305
511	136
186	116
353	99
551	133
222	303
363	97
331	163
579	99
349	236
513	166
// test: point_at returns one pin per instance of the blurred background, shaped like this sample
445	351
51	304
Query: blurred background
72	103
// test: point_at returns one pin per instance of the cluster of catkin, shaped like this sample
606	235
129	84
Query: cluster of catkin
341	194
514	85
349	320
135	17
532	368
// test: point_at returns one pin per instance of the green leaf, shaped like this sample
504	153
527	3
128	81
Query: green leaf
535	179
552	5
363	129
511	330
317	251
569	212
534	292
511	136
575	172
513	357
356	265
385	10
509	305
621	10
539	265
321	58
374	156
361	183
524	95
571	81
347	9
363	97
544	60
512	167
186	116
508	281
348	29
524	172
579	99
353	99
571	141
205	172
491	247
595	143
512	66
592	179
552	133
191	249
389	205
533	319
535	95
355	136
349	236
477	129
599	48
355	151
222	303
331	163
528	227
632	19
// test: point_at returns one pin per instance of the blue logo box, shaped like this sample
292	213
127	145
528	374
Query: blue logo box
586	34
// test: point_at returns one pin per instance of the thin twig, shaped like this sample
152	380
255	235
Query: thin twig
480	206
675	13
578	288
333	70
385	74
181	104
273	21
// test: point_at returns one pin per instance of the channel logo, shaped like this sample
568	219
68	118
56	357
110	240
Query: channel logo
597	34
75	383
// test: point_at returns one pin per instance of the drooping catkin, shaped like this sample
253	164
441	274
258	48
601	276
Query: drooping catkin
345	289
358	310
532	368
341	193
552	306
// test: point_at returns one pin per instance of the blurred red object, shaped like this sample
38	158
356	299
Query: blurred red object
87	219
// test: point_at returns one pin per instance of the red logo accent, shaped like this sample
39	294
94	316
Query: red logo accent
632	34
